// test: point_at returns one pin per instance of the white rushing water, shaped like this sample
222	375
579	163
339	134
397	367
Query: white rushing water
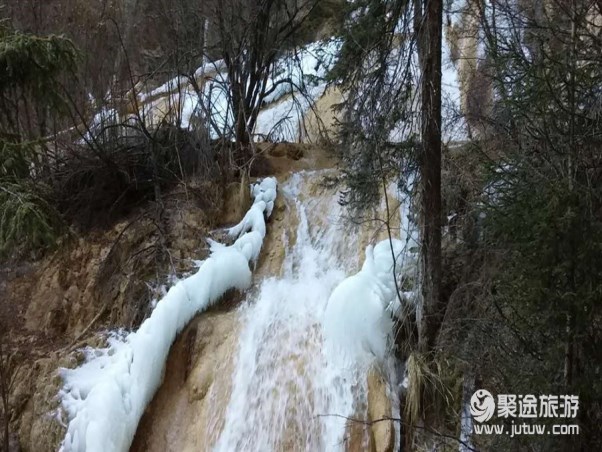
288	393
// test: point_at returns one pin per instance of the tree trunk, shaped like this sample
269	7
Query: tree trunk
4	393
429	35
569	356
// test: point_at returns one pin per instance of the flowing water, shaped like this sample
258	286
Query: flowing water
274	386
287	394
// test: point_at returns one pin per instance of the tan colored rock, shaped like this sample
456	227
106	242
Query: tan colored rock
293	151
187	412
379	407
276	150
34	403
237	201
96	282
320	122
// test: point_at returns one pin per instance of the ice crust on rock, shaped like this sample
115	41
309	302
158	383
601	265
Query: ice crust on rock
106	396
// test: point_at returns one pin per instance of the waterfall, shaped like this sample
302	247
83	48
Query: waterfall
287	392
303	362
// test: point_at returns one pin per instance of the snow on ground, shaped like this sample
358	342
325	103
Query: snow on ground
296	82
209	69
299	68
105	397
282	121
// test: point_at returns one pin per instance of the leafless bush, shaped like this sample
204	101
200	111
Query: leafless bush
94	185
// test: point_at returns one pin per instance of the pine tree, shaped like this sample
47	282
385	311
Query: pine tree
30	68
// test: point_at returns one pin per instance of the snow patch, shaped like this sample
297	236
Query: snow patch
296	82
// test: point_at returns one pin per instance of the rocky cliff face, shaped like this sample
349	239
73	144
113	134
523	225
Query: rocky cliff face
53	307
104	281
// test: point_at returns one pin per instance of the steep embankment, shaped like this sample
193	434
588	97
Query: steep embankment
250	373
53	307
256	375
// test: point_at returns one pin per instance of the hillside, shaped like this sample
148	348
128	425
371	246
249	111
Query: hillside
300	225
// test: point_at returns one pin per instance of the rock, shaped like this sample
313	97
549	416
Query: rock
277	150
72	295
237	201
261	166
203	382
292	151
13	443
379	407
51	301
35	403
295	152
244	196
187	412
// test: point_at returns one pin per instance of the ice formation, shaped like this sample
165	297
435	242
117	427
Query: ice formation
106	396
357	321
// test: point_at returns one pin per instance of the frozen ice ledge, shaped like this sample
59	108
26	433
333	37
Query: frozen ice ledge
105	397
